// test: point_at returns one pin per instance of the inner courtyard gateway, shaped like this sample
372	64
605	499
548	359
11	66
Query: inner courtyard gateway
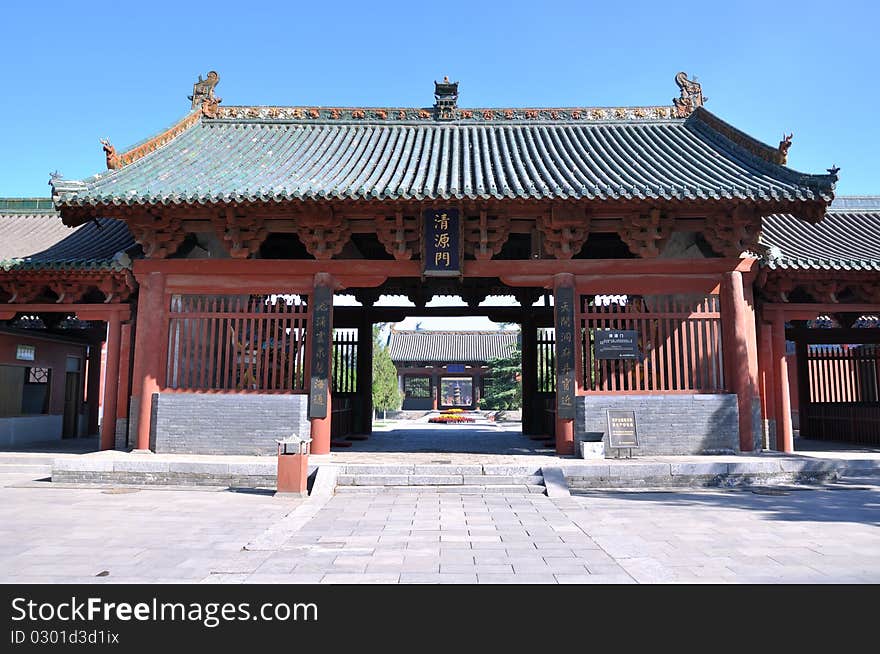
643	223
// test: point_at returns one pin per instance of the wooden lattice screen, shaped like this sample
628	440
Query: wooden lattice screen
345	353
679	341
245	343
546	360
838	373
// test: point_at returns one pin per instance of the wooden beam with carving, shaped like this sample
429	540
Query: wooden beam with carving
241	234
158	235
323	232
733	232
485	235
565	230
399	234
645	234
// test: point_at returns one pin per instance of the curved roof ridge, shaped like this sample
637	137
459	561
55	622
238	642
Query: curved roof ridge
764	156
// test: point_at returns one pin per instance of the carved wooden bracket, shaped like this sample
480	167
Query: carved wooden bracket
22	290
399	234
117	288
565	231
645	234
67	291
485	235
868	292
777	289
825	291
732	233
241	235
160	236
324	233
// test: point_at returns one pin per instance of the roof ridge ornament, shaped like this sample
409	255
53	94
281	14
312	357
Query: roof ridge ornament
203	95
784	145
445	98
691	95
113	162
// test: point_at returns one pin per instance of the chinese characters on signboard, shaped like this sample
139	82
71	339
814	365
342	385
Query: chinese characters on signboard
322	333
441	243
617	344
565	370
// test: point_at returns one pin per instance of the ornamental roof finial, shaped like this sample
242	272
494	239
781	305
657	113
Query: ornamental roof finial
203	95
691	95
784	145
446	98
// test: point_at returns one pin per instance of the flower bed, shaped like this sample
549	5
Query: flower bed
448	417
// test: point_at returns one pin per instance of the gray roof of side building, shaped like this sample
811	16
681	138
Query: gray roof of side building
847	239
32	237
451	346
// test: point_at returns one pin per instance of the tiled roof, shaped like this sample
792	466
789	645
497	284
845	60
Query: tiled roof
451	347
32	237
848	238
275	154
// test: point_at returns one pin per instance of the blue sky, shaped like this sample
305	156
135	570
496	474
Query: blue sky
73	72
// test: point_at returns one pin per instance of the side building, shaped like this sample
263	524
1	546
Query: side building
446	369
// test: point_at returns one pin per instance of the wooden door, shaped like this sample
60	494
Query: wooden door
70	427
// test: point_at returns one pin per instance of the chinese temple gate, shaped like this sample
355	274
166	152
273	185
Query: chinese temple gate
251	218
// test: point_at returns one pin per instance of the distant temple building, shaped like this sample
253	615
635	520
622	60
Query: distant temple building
446	369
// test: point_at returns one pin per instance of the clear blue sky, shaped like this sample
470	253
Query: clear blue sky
73	72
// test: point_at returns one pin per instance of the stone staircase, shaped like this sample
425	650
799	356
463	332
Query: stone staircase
440	477
36	465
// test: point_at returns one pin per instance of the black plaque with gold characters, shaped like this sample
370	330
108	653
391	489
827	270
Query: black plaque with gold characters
322	330
565	391
622	432
441	243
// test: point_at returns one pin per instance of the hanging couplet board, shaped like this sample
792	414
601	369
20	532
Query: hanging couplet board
617	344
622	429
441	243
322	330
563	300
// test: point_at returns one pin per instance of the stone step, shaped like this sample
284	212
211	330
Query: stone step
29	459
347	479
439	469
468	489
29	468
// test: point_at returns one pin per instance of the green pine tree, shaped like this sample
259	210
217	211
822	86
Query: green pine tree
386	394
504	383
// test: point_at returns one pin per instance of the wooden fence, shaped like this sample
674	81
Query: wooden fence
237	343
679	339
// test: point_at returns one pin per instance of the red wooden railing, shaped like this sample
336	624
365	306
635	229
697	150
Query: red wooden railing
679	340
237	343
843	394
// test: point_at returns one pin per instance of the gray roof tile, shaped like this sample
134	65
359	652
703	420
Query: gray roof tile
450	347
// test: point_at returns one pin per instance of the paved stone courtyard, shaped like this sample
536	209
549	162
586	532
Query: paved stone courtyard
52	535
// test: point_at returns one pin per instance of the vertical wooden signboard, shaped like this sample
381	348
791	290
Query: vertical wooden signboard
565	370
322	332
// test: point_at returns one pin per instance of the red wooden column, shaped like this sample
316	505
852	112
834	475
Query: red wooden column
123	390
768	383
108	423
566	356
740	353
148	351
321	352
784	439
93	386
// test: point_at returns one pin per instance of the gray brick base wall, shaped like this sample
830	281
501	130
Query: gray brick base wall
195	423
667	424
